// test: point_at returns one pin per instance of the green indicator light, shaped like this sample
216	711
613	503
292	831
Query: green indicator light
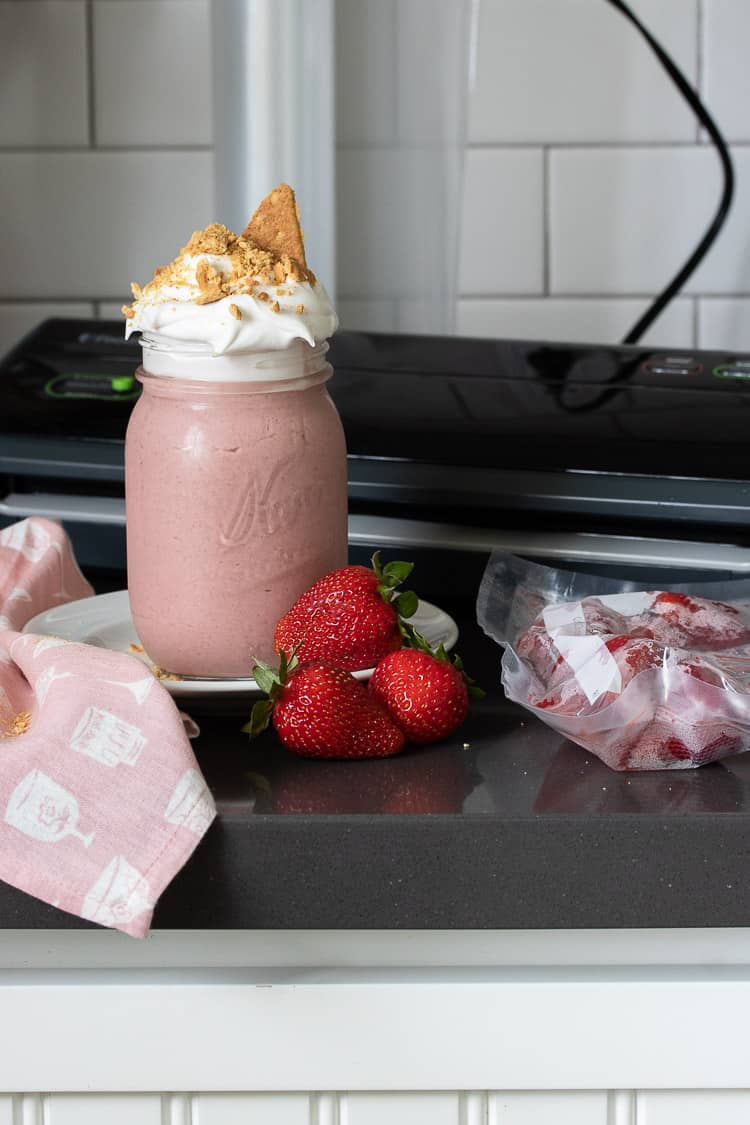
732	371
123	383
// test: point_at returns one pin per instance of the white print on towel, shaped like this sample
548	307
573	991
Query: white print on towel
191	804
47	642
594	666
46	680
119	895
107	738
28	538
42	809
19	595
139	688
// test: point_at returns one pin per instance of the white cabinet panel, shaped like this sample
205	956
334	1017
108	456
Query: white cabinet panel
96	1109
251	1109
399	1109
550	1107
693	1107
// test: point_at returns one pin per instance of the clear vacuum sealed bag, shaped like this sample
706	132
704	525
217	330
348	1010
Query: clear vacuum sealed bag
644	679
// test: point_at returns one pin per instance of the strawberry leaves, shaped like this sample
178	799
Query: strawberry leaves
271	681
413	639
389	578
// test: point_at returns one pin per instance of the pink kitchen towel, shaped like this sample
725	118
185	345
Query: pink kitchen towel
101	798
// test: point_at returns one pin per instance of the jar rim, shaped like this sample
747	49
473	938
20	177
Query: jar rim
194	360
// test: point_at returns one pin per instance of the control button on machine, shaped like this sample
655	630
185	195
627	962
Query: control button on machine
672	365
734	369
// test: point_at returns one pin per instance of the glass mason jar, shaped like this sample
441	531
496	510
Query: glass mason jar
236	500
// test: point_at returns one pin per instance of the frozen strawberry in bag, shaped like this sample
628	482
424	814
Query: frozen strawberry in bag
644	679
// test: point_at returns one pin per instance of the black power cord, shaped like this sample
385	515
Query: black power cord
695	103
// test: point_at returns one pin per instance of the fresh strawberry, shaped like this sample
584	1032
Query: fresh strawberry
423	692
350	617
320	711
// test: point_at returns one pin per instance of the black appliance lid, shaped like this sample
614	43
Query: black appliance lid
453	401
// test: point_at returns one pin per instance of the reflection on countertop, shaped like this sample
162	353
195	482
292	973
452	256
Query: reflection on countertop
503	763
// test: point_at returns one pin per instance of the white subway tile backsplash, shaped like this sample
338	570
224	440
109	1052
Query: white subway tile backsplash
578	71
18	319
252	1109
724	322
622	221
390	240
43	73
593	321
86	225
400	1108
365	71
372	316
693	1107
726	34
432	71
94	1109
112	310
547	1107
152	73
502	238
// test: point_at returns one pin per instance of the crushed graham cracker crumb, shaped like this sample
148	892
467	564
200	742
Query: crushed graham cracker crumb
275	226
300	309
236	312
20	724
275	306
135	648
162	675
270	250
263	296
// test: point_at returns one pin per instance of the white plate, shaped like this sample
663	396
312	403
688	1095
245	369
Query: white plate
105	621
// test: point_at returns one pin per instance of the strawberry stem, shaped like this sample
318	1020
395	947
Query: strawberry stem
389	578
413	639
271	681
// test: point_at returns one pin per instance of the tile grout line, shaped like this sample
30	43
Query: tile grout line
80	150
89	18
553	146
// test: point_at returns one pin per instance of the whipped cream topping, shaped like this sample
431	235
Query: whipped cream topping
234	293
270	316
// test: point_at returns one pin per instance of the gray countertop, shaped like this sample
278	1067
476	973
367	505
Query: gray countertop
502	826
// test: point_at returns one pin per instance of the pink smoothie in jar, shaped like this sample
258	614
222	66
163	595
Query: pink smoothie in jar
236	497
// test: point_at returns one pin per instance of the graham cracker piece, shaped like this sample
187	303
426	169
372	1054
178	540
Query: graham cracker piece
275	226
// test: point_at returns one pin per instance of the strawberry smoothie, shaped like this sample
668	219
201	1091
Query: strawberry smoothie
235	459
236	504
